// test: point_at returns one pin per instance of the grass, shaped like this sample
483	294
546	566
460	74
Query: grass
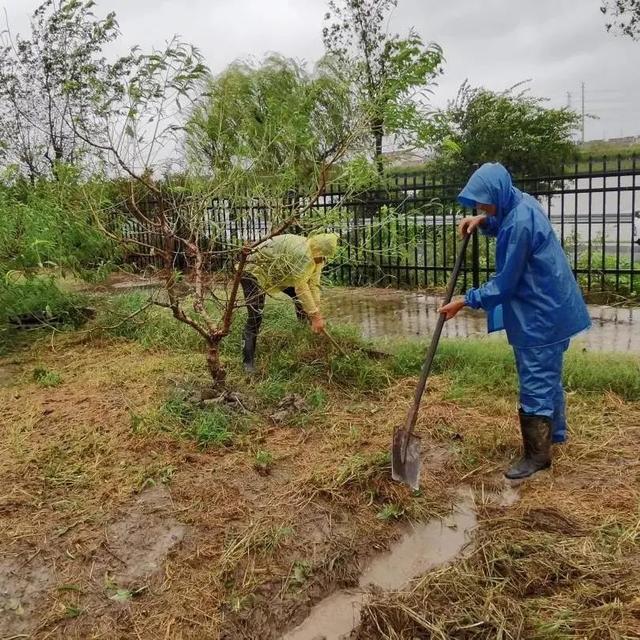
46	378
208	427
520	582
487	367
263	461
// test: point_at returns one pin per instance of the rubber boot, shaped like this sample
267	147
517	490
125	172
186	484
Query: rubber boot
559	421
536	438
249	352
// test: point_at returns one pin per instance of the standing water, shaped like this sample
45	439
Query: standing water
421	548
392	313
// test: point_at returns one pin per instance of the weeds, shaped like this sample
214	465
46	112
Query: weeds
477	367
211	428
263	461
390	512
152	328
208	427
46	378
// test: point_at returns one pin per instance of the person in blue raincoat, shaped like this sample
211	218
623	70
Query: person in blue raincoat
534	297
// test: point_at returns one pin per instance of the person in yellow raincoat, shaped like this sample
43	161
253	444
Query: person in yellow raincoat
290	264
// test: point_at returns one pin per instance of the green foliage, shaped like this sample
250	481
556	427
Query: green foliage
51	225
301	572
152	328
208	426
263	461
37	300
390	512
598	373
267	127
391	75
487	367
359	371
511	127
599	263
610	149
211	427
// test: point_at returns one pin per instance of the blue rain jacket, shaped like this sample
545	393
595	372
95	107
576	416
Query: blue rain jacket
534	295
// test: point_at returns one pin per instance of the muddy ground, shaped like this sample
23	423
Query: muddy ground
112	526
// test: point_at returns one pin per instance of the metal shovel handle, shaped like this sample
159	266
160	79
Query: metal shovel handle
426	367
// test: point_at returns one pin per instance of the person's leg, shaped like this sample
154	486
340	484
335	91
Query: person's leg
301	314
254	299
537	383
559	431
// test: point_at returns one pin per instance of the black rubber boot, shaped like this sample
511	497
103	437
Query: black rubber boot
249	352
536	438
254	298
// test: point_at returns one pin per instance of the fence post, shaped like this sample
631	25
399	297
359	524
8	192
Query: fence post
475	258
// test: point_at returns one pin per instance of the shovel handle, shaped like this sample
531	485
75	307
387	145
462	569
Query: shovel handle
412	417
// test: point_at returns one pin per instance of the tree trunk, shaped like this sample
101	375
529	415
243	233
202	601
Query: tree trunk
216	370
378	134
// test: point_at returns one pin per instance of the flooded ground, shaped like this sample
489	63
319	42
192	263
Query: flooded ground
396	313
385	313
421	547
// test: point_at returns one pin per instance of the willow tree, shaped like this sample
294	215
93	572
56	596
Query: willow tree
45	77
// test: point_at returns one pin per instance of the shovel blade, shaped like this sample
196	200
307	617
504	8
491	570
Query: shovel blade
406	470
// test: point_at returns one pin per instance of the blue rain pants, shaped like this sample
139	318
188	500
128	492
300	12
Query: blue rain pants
541	390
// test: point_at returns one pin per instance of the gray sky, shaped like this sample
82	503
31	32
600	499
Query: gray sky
494	43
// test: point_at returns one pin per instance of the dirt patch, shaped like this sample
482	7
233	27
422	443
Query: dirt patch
24	584
139	542
7	375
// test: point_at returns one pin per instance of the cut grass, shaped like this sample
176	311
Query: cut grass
264	545
562	564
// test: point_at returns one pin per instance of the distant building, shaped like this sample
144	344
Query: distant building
405	158
613	142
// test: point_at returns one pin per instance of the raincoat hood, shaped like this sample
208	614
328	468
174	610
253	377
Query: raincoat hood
323	245
491	184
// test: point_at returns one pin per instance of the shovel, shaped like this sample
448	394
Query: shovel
405	451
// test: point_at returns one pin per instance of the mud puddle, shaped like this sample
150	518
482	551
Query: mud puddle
24	584
421	548
391	313
140	541
132	554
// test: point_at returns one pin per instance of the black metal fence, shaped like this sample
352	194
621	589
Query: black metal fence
404	234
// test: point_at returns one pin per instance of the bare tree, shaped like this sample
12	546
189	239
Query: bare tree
138	132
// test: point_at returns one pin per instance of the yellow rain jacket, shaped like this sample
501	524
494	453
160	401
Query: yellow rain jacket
289	261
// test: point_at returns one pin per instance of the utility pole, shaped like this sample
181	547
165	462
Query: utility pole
582	112
568	99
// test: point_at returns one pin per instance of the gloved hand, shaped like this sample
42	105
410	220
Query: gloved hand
317	323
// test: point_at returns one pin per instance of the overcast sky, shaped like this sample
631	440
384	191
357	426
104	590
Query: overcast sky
494	43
